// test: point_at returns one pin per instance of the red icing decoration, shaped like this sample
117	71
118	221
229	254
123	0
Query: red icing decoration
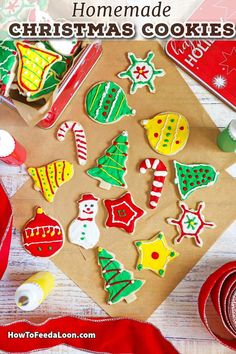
104	113
155	255
42	236
190	223
156	135
105	107
177	142
181	128
159	121
123	213
113	90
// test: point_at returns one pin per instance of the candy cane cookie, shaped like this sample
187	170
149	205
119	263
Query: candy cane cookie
80	138
160	173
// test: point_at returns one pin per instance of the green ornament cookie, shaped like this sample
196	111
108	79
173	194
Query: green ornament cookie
8	63
141	72
111	167
49	86
119	282
191	177
106	103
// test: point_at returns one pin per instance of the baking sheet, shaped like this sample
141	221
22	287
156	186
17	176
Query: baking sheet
172	94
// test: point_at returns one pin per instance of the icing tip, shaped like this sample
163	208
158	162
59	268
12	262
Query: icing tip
144	122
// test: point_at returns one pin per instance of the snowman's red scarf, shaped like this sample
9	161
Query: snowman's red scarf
112	335
6	219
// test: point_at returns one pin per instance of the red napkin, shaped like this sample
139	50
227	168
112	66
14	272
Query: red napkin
112	335
6	219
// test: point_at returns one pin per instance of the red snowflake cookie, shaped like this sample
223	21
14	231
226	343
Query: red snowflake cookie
191	223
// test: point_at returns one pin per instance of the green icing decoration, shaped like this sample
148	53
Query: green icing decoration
110	170
193	176
119	283
8	61
161	272
49	86
106	103
141	72
54	76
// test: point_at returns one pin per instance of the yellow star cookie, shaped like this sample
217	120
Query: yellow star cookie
154	254
48	178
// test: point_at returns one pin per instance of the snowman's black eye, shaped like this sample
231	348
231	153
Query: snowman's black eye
92	205
86	205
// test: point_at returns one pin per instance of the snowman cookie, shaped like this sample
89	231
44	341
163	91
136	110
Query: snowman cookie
83	230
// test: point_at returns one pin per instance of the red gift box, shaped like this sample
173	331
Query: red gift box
70	84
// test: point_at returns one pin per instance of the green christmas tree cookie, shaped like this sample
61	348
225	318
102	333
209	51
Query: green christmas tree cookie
111	167
119	283
191	177
8	63
141	72
106	103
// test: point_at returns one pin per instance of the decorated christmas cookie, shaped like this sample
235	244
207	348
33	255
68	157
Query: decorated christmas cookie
191	177
47	179
49	86
141	72
167	133
42	236
8	63
106	103
119	282
111	167
80	138
123	213
160	173
155	254
34	64
83	231
191	223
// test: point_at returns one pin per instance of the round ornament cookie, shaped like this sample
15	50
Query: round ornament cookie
167	133
42	236
106	103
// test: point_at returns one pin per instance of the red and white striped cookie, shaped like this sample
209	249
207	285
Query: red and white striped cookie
160	173
80	138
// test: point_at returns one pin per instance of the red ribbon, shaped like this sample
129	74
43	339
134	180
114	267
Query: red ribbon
112	335
6	219
220	287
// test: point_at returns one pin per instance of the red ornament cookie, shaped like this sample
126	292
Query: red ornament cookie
123	213
42	236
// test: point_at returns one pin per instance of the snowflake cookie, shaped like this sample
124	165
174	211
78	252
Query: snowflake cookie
141	72
191	223
155	254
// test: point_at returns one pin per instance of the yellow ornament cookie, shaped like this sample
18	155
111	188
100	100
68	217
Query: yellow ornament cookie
154	254
167	132
34	64
47	179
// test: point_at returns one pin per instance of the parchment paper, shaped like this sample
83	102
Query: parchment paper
172	94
